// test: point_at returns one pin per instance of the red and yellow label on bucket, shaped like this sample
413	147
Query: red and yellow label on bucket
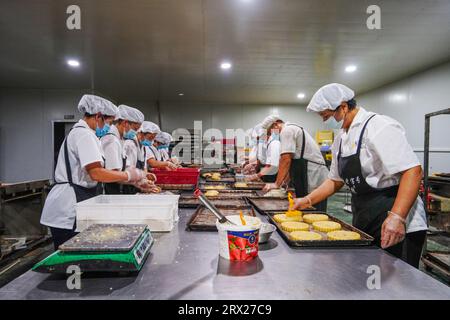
239	242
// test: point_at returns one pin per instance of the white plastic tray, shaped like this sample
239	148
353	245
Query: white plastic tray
159	212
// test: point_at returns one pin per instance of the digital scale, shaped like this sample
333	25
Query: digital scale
102	248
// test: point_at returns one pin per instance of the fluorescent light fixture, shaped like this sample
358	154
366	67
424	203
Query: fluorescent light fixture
73	63
181	94
301	95
225	65
398	97
351	68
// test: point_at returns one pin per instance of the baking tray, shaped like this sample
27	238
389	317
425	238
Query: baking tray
251	186
261	194
193	202
263	204
105	238
202	185
365	240
204	220
222	180
177	186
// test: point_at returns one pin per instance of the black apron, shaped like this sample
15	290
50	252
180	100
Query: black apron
370	206
299	170
115	188
81	193
270	178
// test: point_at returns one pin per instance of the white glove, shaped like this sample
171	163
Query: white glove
134	174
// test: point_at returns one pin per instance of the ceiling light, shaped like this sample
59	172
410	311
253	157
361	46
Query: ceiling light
301	95
181	94
350	68
226	65
73	63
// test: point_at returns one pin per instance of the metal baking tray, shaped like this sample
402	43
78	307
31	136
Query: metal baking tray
193	202
251	186
202	185
105	238
204	220
263	204
177	186
365	240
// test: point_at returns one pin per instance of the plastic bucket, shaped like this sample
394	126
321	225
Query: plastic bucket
239	243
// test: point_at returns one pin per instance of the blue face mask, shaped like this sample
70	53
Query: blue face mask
332	123
103	131
162	147
147	143
131	134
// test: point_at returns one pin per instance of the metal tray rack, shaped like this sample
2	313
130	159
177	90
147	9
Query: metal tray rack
365	240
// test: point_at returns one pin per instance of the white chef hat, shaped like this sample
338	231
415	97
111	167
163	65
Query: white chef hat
90	104
149	127
258	131
269	121
164	138
110	109
329	97
130	114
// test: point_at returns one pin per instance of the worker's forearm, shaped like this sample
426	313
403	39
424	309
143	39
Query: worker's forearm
157	164
283	169
107	176
325	190
407	191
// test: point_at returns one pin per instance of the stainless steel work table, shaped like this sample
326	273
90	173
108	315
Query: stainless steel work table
186	265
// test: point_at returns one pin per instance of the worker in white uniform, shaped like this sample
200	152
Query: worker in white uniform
127	122
257	156
78	170
301	160
152	154
372	156
162	143
268	172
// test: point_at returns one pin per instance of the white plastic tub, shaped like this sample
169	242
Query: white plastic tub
239	242
159	212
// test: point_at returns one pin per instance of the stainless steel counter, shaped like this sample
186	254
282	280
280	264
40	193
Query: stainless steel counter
186	265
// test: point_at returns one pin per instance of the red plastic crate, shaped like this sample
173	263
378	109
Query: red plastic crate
178	176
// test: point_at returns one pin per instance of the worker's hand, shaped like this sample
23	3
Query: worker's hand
134	174
171	165
270	186
251	178
249	169
151	177
147	186
393	231
301	203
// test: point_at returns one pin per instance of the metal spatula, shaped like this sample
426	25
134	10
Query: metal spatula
212	208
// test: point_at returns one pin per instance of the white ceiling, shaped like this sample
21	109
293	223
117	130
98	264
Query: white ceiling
145	50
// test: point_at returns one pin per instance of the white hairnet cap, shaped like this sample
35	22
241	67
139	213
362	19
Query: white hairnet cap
91	104
258	131
149	127
110	109
269	121
330	97
164	138
130	114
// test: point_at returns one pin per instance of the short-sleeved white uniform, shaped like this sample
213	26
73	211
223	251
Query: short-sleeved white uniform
83	149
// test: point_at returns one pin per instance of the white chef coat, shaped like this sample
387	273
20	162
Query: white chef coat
164	154
131	152
291	139
259	152
112	145
385	153
273	155
152	153
83	148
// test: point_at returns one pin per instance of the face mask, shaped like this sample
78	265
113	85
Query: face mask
103	131
131	134
332	123
147	143
162	147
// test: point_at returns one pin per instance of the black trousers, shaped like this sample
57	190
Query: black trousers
61	235
410	249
